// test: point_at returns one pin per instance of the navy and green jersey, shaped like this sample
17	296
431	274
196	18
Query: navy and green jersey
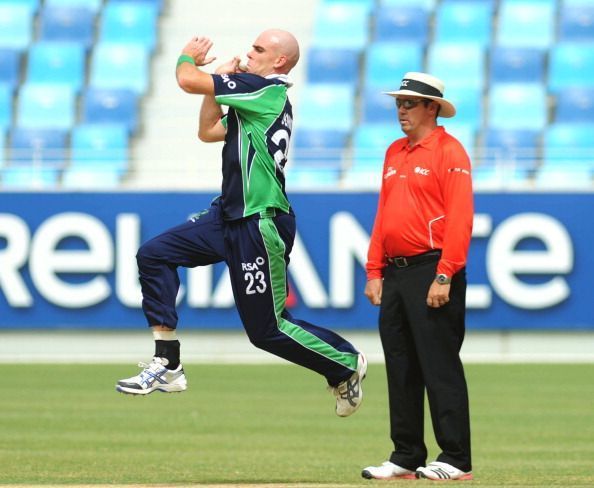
258	125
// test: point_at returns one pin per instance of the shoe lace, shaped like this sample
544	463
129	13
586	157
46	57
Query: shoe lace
347	390
154	364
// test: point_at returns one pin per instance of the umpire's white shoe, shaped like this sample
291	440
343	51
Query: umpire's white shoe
439	471
349	393
154	377
387	471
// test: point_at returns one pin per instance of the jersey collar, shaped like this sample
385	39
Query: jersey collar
429	141
280	77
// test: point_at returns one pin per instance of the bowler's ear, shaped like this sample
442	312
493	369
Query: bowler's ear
280	61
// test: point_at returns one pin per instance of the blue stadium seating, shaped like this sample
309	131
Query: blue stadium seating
92	5
401	24
92	177
2	147
5	106
38	147
377	107
328	65
501	177
68	24
506	101
526	23
577	23
32	5
319	148
571	65
428	5
370	142
100	145
129	22
469	105
517	148
341	24
57	62
111	106
325	106
517	65
10	67
29	177
311	178
158	4
16	25
464	22
55	45
464	132
569	146
45	105
99	156
458	65
517	106
575	105
386	63
116	65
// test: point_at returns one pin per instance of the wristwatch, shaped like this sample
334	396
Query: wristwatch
443	279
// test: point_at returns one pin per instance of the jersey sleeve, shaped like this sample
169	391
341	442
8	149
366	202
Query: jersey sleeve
248	93
459	207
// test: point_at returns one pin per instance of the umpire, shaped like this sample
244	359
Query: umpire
416	274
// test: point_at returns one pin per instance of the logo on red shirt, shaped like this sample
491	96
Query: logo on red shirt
390	171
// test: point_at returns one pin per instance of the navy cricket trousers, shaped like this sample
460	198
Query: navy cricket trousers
256	250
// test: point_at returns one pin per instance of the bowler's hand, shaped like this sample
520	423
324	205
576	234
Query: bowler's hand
198	48
230	67
438	295
373	290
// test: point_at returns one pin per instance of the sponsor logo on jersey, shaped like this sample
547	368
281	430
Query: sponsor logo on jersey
230	83
421	171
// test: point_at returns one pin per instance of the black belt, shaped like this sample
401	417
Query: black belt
405	261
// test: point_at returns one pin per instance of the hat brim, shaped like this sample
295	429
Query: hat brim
447	108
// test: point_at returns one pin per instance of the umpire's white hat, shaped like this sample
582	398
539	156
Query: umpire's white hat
425	86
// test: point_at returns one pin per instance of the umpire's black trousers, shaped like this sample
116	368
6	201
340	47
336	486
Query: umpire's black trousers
421	347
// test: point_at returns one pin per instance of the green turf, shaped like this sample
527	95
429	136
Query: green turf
532	425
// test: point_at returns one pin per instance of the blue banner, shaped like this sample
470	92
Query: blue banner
67	260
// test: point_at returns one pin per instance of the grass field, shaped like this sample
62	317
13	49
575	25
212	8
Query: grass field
533	425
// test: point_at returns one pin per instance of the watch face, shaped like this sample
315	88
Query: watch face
442	279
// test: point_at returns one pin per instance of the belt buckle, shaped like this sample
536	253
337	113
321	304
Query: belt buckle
401	262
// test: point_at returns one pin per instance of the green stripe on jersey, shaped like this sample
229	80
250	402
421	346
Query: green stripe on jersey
257	112
269	100
275	249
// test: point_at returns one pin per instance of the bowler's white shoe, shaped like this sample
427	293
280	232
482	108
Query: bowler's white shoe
387	471
349	393
154	377
442	471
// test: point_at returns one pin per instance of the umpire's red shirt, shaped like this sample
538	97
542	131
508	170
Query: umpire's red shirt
425	203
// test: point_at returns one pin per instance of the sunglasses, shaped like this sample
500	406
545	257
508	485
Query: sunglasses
408	103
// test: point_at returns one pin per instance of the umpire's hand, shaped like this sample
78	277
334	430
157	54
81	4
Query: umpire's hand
438	295
373	290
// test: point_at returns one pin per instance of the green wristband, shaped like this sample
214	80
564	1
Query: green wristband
184	58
